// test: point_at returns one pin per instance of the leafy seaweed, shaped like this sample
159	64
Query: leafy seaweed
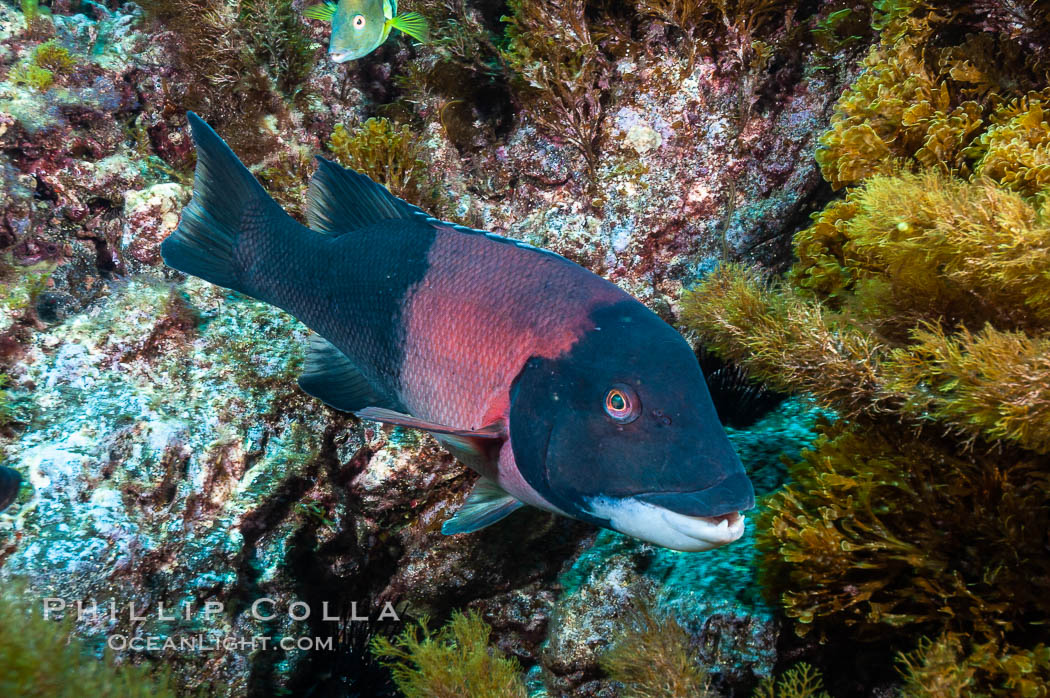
918	310
652	656
562	72
452	662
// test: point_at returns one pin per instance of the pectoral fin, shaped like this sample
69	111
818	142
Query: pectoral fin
486	505
379	414
324	12
411	23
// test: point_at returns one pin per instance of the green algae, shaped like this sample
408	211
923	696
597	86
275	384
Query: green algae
37	658
453	661
652	656
941	668
40	79
53	57
800	681
389	153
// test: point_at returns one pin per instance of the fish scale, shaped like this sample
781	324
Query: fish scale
555	385
483	308
354	297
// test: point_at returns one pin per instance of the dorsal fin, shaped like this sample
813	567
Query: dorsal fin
332	377
341	201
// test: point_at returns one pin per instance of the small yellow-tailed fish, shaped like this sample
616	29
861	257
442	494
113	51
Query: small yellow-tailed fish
361	26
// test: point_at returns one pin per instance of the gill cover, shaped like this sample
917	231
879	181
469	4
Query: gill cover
673	453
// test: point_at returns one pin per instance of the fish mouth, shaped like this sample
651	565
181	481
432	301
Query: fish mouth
712	531
734	493
709	517
664	527
341	57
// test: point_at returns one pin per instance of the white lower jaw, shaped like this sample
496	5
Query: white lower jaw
666	528
716	531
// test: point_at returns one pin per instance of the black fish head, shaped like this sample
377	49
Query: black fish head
621	431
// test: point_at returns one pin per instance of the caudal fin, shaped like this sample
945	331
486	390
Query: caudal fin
227	201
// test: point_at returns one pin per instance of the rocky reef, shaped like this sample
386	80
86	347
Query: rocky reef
914	530
179	485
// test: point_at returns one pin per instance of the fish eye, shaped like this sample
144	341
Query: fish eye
622	404
359	21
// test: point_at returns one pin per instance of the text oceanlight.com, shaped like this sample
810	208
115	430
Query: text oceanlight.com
214	643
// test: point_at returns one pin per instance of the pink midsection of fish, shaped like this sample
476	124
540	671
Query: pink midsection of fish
484	308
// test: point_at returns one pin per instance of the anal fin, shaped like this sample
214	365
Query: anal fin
487	504
332	377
